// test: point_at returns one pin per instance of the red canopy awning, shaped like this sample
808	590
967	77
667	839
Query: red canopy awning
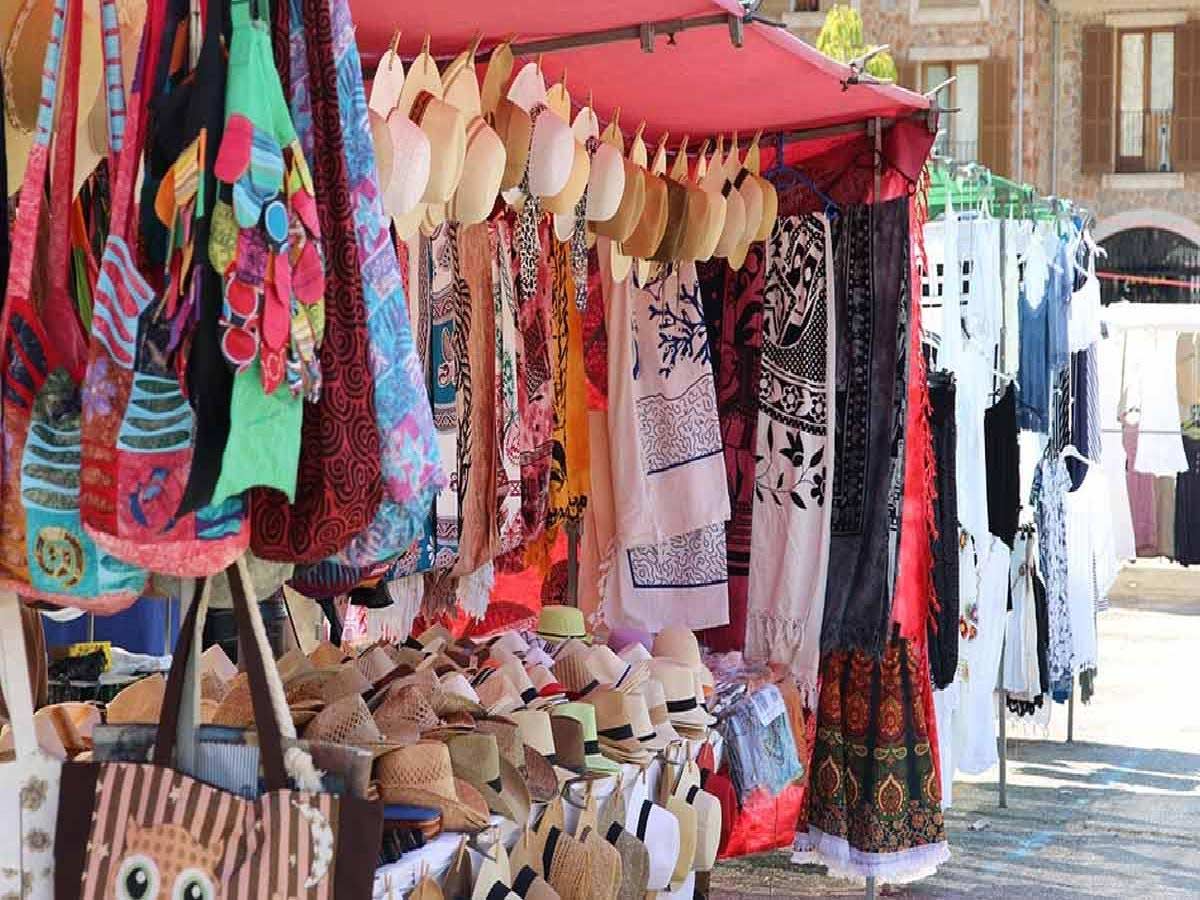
698	84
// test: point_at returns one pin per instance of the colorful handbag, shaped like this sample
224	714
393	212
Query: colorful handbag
28	782
147	830
44	551
138	427
339	485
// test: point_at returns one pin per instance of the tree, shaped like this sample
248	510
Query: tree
841	38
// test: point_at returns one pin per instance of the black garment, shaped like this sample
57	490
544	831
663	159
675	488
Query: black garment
220	627
1187	506
4	223
943	620
1003	467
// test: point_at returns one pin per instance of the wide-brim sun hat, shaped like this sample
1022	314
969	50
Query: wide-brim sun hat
404	183
686	816
476	758
679	687
680	644
515	129
422	774
648	234
483	170
658	829
676	224
446	129
606	184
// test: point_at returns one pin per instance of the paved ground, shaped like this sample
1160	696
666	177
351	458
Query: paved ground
1114	814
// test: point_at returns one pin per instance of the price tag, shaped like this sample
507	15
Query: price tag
768	704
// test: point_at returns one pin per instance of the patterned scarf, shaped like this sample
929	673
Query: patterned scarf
443	371
509	526
870	251
793	457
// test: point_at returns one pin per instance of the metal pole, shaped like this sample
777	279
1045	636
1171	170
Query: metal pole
1071	713
870	892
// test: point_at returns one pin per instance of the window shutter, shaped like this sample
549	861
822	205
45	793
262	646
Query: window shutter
995	115
1098	87
907	75
1185	123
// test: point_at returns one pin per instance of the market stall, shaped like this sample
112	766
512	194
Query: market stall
547	351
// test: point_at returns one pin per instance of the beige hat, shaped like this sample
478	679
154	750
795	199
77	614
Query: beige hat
460	85
552	148
499	70
652	223
751	193
405	707
606	185
349	721
614	671
446	129
679	687
423	774
604	862
577	674
677	209
293	663
688	825
216	673
483	171
708	825
326	685
623	723
376	665
386	84
326	654
535	769
563	203
515	129
140	702
680	644
403	157
453	693
535	732
656	704
476	759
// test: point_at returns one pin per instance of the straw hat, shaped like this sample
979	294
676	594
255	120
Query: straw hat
549	690
585	714
499	69
686	815
570	757
515	130
659	831
606	185
324	655
406	707
586	129
708	825
423	774
387	83
491	882
604	861
570	647
454	694
751	193
376	665
635	861
520	680
676	224
623	724
613	670
680	644
483	171
770	211
535	731
446	129
510	641
349	721
648	234
216	672
679	687
139	703
326	685
558	98
404	158
656	704
552	147
564	862
534	769
293	663
558	623
460	85
497	694
67	726
476	758
577	674
527	883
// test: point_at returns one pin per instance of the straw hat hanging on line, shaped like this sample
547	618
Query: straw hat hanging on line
402	150
770	211
485	157
620	226
552	146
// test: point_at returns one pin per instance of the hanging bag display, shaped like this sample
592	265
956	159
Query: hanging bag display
147	830
29	781
44	550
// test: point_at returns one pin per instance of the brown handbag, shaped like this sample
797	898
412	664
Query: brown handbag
124	828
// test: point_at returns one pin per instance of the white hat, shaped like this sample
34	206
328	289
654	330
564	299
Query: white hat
680	686
552	150
511	641
658	829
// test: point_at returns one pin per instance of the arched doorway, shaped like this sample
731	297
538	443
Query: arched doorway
1152	258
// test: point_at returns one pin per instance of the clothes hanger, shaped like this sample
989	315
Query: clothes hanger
780	171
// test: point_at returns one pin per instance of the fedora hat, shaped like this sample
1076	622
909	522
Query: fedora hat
686	816
323	655
535	731
405	707
623	637
483	171
476	759
446	129
679	688
614	671
376	665
536	771
658	830
497	694
491	882
549	690
139	703
569	647
623	723
520	680
453	693
423	774
635	653
510	641
515	129
576	673
635	861
349	721
560	623
656	704
680	644
570	756
585	714
708	825
422	76
528	884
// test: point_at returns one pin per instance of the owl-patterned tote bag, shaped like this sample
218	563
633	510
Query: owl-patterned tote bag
146	831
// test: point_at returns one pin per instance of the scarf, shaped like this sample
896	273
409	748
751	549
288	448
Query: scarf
477	430
942	632
870	252
733	303
666	457
442	368
411	468
791	513
509	527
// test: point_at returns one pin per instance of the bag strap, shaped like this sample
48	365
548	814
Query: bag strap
18	694
266	696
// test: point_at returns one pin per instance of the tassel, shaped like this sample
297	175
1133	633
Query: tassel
475	590
304	773
394	623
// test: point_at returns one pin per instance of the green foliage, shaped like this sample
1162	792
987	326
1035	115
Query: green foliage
841	38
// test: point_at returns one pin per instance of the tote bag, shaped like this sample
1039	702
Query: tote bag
44	551
148	830
138	427
29	782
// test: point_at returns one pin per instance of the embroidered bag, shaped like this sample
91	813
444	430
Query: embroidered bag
138	427
29	781
44	548
148	830
339	484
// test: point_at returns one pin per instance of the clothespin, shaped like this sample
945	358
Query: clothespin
395	47
475	45
425	45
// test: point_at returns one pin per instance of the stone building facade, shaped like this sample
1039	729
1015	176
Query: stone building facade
1104	107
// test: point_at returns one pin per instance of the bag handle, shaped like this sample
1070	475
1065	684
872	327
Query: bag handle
18	693
266	690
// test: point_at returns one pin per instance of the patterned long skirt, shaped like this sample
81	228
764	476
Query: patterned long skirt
874	797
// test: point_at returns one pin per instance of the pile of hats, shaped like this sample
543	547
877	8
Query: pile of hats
446	147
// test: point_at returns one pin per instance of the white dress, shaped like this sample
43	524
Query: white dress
1091	563
1160	440
979	663
1110	364
971	397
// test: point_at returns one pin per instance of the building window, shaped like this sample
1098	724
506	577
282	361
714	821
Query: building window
948	12
959	137
804	6
1146	89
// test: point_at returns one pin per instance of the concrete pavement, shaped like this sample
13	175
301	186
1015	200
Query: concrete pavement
1116	813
